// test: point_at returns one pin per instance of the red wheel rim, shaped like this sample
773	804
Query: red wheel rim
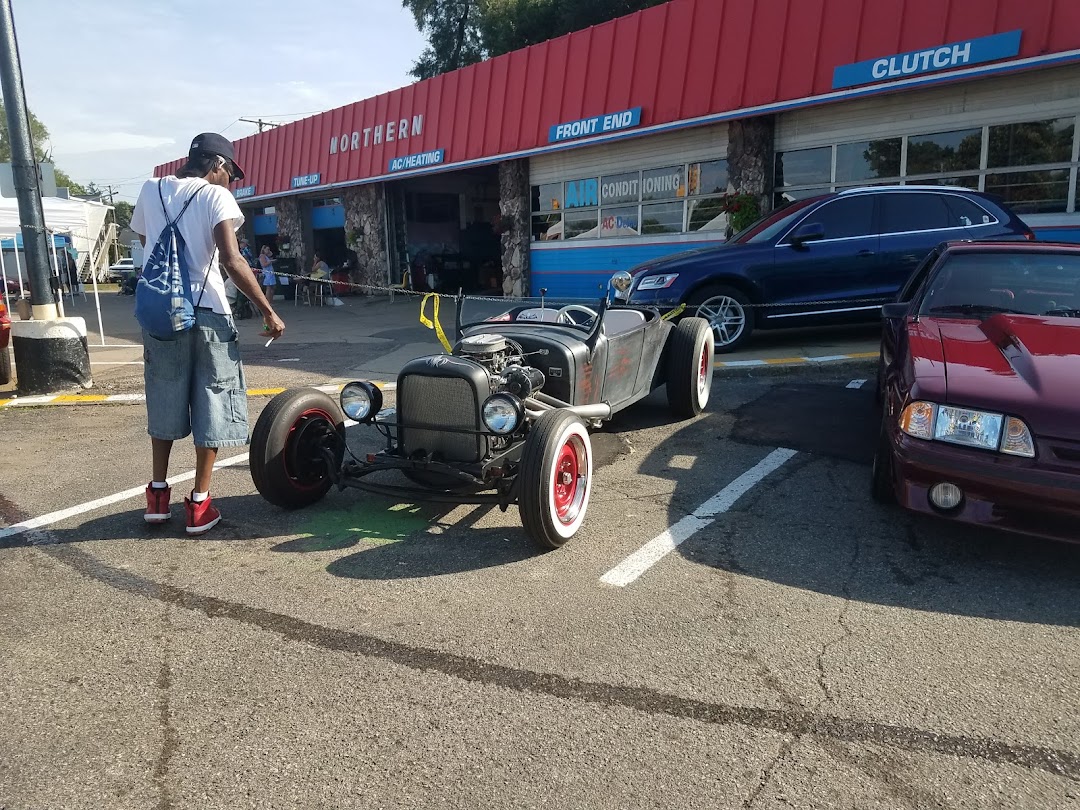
703	368
303	479
570	480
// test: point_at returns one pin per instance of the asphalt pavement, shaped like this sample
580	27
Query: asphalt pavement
786	643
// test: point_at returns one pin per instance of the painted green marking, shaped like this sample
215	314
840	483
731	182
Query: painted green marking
372	521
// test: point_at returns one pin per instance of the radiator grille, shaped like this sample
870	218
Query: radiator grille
446	401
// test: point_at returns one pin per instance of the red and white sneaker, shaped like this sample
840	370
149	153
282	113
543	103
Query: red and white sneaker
201	516
157	504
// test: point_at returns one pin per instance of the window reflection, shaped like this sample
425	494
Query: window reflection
944	151
868	160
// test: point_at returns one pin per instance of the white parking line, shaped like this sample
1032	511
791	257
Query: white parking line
108	500
856	384
652	552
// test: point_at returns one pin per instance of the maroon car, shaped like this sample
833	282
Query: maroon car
979	381
5	339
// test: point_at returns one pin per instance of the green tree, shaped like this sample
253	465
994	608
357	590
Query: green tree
462	32
122	211
452	31
39	134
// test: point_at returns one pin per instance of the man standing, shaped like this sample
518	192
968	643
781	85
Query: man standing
195	382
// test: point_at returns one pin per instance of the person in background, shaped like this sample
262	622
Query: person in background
269	280
245	251
319	268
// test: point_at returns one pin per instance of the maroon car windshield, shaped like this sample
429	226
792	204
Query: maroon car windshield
979	285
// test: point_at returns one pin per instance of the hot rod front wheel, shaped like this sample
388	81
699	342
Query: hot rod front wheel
690	367
556	479
289	445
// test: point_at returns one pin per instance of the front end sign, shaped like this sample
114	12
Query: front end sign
597	125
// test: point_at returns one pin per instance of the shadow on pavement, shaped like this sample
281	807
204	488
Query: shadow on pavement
812	524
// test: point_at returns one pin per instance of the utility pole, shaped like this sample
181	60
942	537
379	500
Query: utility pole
260	123
50	351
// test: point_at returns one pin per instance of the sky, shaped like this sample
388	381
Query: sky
124	85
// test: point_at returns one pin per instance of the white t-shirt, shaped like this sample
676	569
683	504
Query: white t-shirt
211	206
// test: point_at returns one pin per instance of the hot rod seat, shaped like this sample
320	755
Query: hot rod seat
617	321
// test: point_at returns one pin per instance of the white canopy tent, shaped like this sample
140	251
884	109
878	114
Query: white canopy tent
80	220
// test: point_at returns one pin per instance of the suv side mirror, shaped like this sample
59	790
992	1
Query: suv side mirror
807	233
895	311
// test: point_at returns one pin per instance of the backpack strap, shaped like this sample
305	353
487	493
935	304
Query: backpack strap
182	210
213	258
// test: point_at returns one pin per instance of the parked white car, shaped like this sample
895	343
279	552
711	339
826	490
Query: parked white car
118	271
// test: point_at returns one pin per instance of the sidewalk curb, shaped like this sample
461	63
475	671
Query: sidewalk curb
721	369
791	365
137	399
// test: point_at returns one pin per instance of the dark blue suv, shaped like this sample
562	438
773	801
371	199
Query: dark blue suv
835	258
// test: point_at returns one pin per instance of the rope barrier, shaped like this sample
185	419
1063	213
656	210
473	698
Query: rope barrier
425	295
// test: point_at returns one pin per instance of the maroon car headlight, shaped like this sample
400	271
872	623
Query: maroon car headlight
967	427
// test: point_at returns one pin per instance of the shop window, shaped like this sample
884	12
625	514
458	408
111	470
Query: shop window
804	167
547	197
782	198
844	218
970	181
616	222
546	227
581	193
664	184
580	224
707	214
904	213
868	160
942	152
620	188
325	202
708	178
1031	144
1045	192
662	218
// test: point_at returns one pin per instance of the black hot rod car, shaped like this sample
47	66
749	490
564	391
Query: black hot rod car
502	420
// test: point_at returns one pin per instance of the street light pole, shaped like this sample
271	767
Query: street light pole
24	170
50	351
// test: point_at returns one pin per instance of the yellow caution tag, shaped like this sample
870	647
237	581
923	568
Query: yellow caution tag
674	313
433	321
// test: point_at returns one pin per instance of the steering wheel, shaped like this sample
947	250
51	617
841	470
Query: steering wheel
563	315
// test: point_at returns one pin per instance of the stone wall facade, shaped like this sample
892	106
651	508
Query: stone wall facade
515	226
365	233
290	229
750	158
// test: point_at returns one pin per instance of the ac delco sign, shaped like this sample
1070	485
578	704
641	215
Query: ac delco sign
380	133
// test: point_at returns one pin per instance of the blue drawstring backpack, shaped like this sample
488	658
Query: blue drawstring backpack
163	304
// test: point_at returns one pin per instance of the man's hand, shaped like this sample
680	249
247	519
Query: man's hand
273	325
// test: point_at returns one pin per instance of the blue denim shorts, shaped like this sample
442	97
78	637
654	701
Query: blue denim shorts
195	384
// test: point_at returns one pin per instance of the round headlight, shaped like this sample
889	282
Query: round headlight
360	401
503	413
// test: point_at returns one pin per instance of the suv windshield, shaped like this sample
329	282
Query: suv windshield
979	285
771	225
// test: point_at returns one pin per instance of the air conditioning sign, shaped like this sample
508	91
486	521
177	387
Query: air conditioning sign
931	60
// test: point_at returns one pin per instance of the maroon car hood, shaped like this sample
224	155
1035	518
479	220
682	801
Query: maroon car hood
1023	365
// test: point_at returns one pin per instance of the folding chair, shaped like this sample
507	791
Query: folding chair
404	285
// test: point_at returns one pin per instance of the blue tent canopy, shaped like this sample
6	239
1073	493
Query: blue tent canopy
59	241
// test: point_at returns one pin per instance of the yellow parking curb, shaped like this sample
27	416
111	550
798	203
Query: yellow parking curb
793	361
138	399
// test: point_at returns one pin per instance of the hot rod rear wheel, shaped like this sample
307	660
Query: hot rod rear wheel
690	367
286	458
556	478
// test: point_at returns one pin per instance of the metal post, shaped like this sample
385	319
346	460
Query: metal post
56	275
97	297
18	265
3	273
24	169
